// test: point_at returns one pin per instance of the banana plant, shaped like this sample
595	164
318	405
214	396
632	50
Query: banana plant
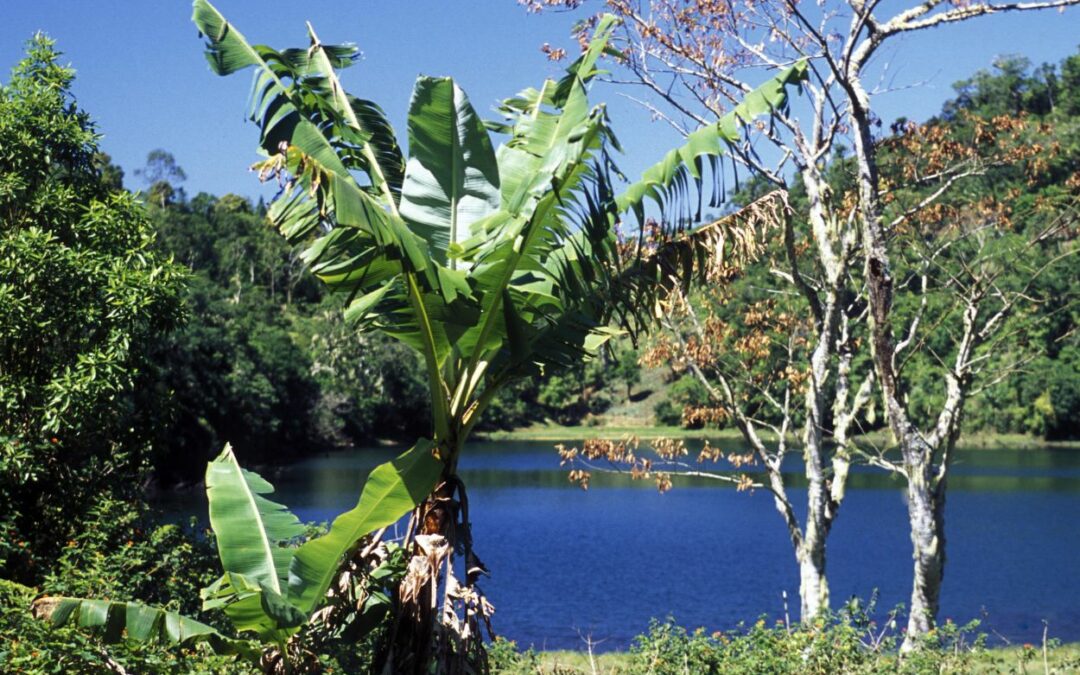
494	261
256	542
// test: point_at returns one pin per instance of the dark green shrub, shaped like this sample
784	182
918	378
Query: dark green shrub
687	391
121	553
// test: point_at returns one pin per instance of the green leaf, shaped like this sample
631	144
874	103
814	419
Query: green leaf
710	141
451	178
392	490
251	530
227	50
284	614
141	623
243	601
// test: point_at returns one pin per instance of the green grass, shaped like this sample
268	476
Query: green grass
634	417
566	662
557	432
1021	660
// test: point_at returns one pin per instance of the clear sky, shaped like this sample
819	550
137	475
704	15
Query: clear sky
143	78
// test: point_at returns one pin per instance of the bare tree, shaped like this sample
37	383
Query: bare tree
965	269
683	61
692	60
772	368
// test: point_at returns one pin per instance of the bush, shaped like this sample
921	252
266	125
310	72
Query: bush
121	553
847	642
117	553
84	299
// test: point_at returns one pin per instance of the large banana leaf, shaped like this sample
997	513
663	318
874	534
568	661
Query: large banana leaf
252	532
138	622
253	537
555	136
451	178
392	490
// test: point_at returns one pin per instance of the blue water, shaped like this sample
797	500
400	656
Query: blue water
568	564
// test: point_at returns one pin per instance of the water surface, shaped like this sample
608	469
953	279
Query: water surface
568	564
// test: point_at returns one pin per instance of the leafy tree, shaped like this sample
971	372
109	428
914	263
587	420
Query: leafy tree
686	394
163	176
112	176
574	393
83	300
627	369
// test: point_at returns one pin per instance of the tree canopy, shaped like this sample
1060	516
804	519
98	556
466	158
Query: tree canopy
84	298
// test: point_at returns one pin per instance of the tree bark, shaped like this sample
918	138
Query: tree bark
813	584
925	501
926	513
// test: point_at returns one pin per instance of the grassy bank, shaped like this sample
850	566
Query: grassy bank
556	432
997	661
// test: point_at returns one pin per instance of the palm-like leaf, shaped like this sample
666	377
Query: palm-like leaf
137	622
451	179
392	490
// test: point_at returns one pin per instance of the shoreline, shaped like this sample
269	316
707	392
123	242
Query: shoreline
555	433
993	659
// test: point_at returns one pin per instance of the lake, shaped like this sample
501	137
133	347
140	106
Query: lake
569	564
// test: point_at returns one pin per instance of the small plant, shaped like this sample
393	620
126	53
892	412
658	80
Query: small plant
262	592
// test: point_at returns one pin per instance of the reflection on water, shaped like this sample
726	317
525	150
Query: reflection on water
568	563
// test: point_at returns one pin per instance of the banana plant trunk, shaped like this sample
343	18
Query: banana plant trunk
439	619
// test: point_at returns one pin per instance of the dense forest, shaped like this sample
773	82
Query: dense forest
142	329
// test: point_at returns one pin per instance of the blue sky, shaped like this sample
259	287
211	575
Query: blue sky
142	76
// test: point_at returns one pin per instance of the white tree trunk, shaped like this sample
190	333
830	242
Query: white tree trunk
926	513
813	584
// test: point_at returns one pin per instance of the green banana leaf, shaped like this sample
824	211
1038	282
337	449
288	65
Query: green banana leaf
253	541
392	490
710	141
138	622
252	532
451	178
